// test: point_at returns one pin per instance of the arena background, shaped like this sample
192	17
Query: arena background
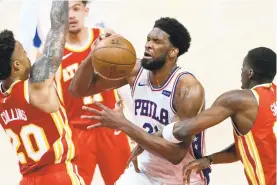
222	32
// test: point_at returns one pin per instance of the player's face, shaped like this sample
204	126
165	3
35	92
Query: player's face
156	50
21	62
245	74
77	13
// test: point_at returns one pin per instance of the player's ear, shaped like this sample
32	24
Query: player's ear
251	73
87	10
174	52
16	65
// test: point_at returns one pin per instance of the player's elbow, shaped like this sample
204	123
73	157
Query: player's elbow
176	156
176	159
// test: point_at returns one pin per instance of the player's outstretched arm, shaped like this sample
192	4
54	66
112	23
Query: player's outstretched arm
41	88
228	155
44	69
226	105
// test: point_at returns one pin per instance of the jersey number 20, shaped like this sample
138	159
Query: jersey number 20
26	133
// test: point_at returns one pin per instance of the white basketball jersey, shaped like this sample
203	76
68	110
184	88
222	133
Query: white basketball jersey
124	93
153	110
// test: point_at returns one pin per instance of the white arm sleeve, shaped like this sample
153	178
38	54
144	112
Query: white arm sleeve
168	134
28	21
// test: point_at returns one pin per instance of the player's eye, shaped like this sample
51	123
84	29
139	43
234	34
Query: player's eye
76	9
156	40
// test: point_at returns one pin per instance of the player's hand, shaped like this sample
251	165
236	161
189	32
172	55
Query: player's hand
135	153
111	118
194	167
107	33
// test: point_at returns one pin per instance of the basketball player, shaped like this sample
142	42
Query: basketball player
31	112
253	111
162	92
96	146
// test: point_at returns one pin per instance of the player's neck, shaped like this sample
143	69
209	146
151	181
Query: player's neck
79	38
6	84
159	77
255	83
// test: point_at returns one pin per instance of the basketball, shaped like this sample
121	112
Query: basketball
114	57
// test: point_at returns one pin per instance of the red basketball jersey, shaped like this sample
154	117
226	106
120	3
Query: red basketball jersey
257	149
39	138
71	60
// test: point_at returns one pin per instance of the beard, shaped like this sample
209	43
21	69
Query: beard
153	64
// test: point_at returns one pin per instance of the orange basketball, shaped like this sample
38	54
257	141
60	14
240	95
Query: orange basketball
114	57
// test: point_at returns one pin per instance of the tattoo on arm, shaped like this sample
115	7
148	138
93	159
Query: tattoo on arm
51	59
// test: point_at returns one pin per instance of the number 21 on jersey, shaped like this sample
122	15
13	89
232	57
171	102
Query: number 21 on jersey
150	128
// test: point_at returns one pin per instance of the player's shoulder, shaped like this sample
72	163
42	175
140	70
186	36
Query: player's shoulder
104	30
188	79
18	85
97	31
237	98
17	89
237	94
187	82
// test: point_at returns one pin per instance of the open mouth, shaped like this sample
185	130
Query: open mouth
147	55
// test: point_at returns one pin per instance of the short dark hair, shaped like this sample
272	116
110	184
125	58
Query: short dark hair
85	2
7	45
178	34
263	61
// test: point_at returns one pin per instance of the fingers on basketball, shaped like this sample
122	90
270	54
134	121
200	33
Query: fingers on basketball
114	57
